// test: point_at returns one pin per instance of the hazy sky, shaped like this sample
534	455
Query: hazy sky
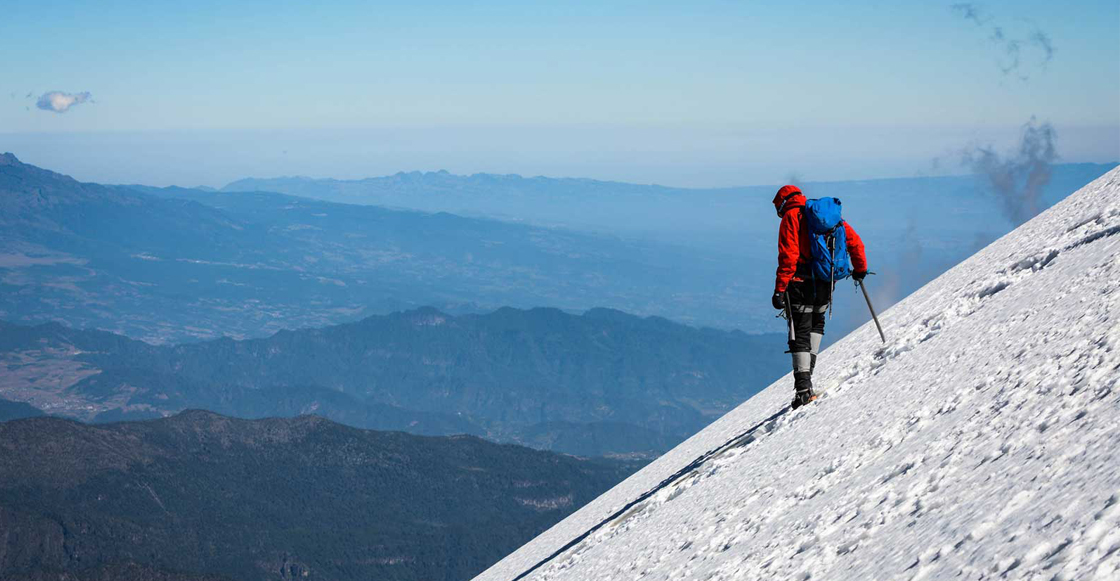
683	93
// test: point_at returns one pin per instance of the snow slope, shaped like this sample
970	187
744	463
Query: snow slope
981	441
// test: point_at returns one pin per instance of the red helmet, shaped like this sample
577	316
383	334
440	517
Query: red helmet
783	196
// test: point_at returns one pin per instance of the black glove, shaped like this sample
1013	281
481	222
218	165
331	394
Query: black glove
859	274
779	301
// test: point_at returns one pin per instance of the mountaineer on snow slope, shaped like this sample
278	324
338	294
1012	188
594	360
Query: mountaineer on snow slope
813	251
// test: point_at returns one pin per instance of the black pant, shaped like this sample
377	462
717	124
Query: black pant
808	304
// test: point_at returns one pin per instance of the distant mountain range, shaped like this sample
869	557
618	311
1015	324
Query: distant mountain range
575	202
597	384
915	228
172	265
729	218
200	496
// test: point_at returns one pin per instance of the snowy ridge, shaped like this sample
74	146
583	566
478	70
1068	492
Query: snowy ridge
982	441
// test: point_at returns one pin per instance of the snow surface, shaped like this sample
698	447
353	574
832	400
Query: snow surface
981	441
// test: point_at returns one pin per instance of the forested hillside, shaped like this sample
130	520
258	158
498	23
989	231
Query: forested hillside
199	495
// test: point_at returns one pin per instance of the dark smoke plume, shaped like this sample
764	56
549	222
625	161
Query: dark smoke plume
972	13
1018	178
1012	47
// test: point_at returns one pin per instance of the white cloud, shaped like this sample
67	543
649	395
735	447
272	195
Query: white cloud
60	102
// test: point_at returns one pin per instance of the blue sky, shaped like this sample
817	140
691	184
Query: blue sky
694	94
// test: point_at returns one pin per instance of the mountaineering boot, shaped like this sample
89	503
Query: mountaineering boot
803	383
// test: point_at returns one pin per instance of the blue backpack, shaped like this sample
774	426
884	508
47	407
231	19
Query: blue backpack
829	247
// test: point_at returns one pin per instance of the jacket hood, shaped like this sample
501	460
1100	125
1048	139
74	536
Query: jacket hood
788	197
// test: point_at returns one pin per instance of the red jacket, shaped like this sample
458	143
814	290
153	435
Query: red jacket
793	236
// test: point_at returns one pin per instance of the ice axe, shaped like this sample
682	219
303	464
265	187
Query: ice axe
875	318
789	318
